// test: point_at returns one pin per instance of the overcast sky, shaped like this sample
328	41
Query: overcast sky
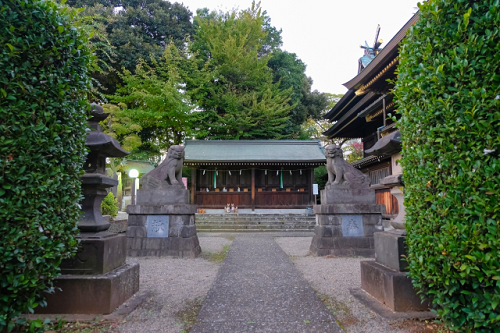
326	34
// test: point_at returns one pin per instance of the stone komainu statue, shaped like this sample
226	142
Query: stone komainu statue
168	174
342	173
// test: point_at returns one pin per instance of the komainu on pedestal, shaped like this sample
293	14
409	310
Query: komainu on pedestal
161	223
348	215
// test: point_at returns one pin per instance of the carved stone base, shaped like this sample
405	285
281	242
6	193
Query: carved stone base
385	278
92	294
342	246
336	194
98	253
394	289
166	230
346	229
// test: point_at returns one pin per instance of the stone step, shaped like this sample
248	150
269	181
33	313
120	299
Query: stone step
215	221
250	226
254	222
251	217
255	230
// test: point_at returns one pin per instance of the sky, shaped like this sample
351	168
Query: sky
326	34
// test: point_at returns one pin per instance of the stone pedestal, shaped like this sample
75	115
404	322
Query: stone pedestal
96	280
346	222
385	278
162	224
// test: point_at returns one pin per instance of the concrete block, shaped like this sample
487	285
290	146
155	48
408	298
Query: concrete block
348	209
134	244
391	288
371	229
136	231
137	220
329	219
176	223
324	243
151	243
337	195
323	231
351	242
372	219
390	247
92	294
188	231
162	197
98	253
187	244
172	253
174	209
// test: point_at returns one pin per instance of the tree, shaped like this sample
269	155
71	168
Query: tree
43	113
136	30
289	71
239	99
447	93
353	151
153	110
314	127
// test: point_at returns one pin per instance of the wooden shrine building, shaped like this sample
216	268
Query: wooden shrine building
362	113
253	174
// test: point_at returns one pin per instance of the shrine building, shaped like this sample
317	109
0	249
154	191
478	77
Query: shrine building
253	174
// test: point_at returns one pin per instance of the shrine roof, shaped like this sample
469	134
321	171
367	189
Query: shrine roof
253	151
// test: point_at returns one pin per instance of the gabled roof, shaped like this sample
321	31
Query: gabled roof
253	151
359	97
389	52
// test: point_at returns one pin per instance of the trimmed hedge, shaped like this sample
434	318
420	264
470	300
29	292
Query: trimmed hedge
448	95
43	113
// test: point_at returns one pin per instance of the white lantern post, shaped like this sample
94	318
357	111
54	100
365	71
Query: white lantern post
133	173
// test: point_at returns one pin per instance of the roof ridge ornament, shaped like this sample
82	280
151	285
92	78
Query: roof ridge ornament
370	52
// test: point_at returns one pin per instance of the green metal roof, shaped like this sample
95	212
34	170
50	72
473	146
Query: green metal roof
253	151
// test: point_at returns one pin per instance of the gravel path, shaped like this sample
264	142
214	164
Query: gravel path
333	277
258	289
173	284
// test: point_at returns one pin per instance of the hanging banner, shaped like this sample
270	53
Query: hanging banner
215	179
281	179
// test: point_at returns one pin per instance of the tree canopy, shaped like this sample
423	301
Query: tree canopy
232	79
135	30
239	100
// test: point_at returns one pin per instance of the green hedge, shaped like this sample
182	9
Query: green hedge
43	113
449	99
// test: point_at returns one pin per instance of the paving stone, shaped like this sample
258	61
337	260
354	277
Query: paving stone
258	289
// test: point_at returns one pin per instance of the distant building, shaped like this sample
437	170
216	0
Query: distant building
253	174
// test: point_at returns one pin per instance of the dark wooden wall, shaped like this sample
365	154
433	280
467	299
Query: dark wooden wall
384	197
295	192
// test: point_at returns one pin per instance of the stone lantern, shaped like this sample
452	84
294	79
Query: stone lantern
386	278
94	181
97	280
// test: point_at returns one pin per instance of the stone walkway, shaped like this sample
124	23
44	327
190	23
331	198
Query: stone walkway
258	289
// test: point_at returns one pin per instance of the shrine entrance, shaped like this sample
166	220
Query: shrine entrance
257	174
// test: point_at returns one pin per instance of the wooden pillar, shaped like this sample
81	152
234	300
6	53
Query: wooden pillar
311	182
253	189
193	185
